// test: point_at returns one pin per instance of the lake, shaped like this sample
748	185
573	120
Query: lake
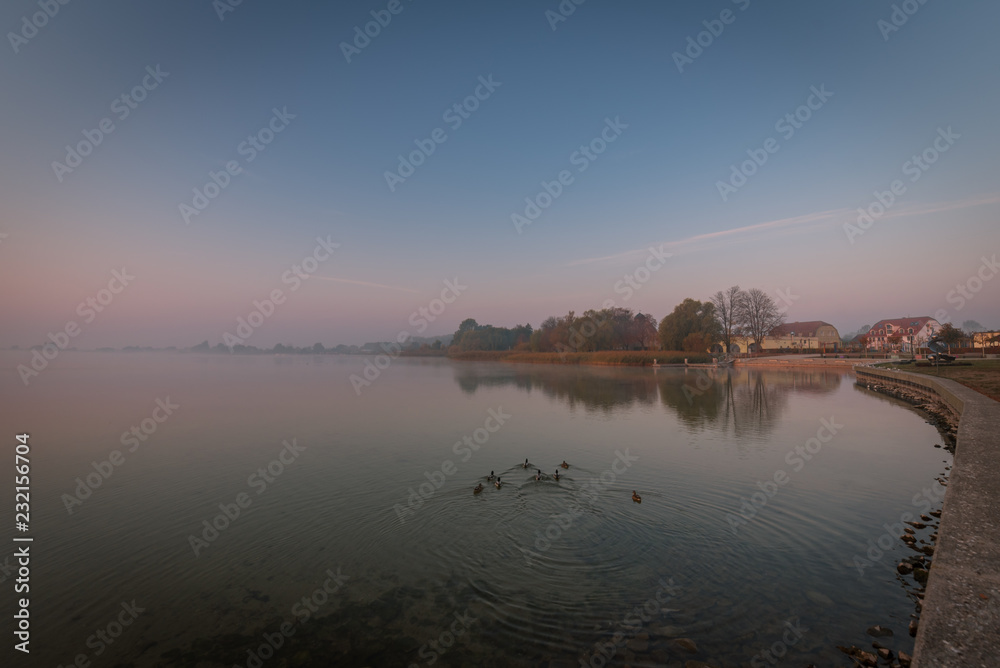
261	512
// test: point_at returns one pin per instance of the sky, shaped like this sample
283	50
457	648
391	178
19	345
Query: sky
629	125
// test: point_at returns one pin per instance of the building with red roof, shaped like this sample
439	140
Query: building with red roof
904	334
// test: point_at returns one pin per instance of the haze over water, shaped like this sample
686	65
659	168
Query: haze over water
536	593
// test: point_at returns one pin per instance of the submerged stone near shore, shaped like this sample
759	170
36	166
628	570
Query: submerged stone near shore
818	598
945	419
862	657
879	631
942	416
687	644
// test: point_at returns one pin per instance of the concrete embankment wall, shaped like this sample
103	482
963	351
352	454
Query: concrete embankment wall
960	617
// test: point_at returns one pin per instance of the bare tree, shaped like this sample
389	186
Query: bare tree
758	315
727	308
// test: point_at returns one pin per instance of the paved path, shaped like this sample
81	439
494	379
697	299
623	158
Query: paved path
960	620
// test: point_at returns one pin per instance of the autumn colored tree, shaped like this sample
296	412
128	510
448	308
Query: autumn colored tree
467	325
643	333
690	316
473	336
863	341
614	328
696	342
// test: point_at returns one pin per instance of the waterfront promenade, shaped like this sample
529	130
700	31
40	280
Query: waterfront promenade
960	617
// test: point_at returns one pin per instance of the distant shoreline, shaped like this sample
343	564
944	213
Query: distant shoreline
646	358
602	358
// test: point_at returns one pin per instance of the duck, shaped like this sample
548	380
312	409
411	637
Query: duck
478	488
564	464
498	484
556	474
525	464
636	497
538	476
491	476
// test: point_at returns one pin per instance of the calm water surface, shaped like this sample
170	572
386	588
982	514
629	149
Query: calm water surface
535	573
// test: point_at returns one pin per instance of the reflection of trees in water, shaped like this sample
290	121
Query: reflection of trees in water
594	388
747	401
744	400
752	406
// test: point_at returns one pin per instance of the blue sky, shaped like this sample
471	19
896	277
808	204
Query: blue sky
655	184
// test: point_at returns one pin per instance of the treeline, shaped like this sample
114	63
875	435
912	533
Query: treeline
692	326
436	346
594	330
278	349
614	328
473	336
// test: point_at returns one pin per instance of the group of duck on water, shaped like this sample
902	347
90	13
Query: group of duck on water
495	479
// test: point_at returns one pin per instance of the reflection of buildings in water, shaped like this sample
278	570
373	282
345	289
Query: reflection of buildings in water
748	401
817	381
594	388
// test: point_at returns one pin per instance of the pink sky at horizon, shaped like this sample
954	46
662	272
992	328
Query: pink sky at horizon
899	267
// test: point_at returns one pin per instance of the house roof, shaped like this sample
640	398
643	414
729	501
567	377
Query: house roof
903	323
807	328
